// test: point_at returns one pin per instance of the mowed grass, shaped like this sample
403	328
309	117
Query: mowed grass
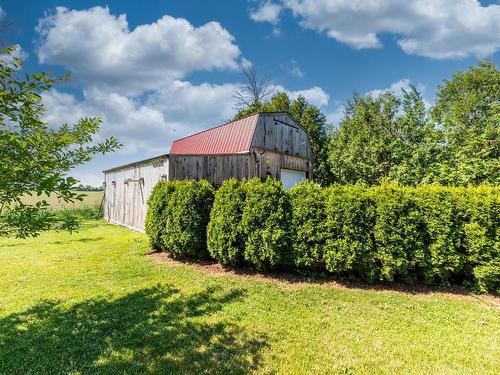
92	199
95	302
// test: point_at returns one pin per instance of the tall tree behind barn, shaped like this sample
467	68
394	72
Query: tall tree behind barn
260	145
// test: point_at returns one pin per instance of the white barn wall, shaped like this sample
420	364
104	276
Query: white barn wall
126	203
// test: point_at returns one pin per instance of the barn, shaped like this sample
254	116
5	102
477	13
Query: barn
264	144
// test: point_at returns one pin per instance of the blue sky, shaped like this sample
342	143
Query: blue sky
159	70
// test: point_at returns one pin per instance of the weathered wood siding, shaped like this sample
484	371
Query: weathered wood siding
217	168
279	132
125	202
214	168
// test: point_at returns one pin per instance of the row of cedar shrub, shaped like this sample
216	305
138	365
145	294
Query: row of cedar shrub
432	234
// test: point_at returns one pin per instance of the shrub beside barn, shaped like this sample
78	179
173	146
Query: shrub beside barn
266	144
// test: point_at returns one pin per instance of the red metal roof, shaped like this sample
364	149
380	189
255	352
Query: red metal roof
232	138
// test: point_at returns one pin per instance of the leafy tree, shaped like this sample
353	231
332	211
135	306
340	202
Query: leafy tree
468	111
36	158
384	137
310	117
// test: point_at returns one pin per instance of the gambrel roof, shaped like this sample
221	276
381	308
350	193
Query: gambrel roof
234	137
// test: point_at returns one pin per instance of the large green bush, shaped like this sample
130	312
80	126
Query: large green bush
307	224
442	256
482	237
349	232
155	217
225	239
399	232
265	223
429	233
187	214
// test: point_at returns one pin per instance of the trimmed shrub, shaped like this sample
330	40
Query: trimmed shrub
265	223
443	255
482	237
187	213
399	232
308	224
225	239
349	232
155	216
390	232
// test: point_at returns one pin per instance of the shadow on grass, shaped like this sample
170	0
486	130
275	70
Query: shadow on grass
84	240
153	330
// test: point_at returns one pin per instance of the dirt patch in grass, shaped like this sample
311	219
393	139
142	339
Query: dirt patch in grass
295	280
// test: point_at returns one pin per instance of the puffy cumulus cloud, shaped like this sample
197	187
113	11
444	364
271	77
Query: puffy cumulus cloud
137	126
396	88
149	124
314	95
194	107
100	49
434	28
267	12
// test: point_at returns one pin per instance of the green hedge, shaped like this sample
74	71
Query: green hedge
431	234
308	224
225	239
349	232
156	214
178	215
265	223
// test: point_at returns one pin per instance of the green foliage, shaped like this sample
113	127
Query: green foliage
391	136
441	210
225	239
431	233
468	110
155	217
187	213
349	232
265	223
482	236
399	232
307	224
385	136
313	121
35	157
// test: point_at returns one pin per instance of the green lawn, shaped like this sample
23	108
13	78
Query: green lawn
94	302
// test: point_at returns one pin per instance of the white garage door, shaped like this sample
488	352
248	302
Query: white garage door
290	178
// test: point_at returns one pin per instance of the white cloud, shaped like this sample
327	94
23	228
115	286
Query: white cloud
294	69
336	115
100	49
314	95
2	13
434	28
396	88
267	12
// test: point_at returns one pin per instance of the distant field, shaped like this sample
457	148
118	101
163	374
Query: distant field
92	198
